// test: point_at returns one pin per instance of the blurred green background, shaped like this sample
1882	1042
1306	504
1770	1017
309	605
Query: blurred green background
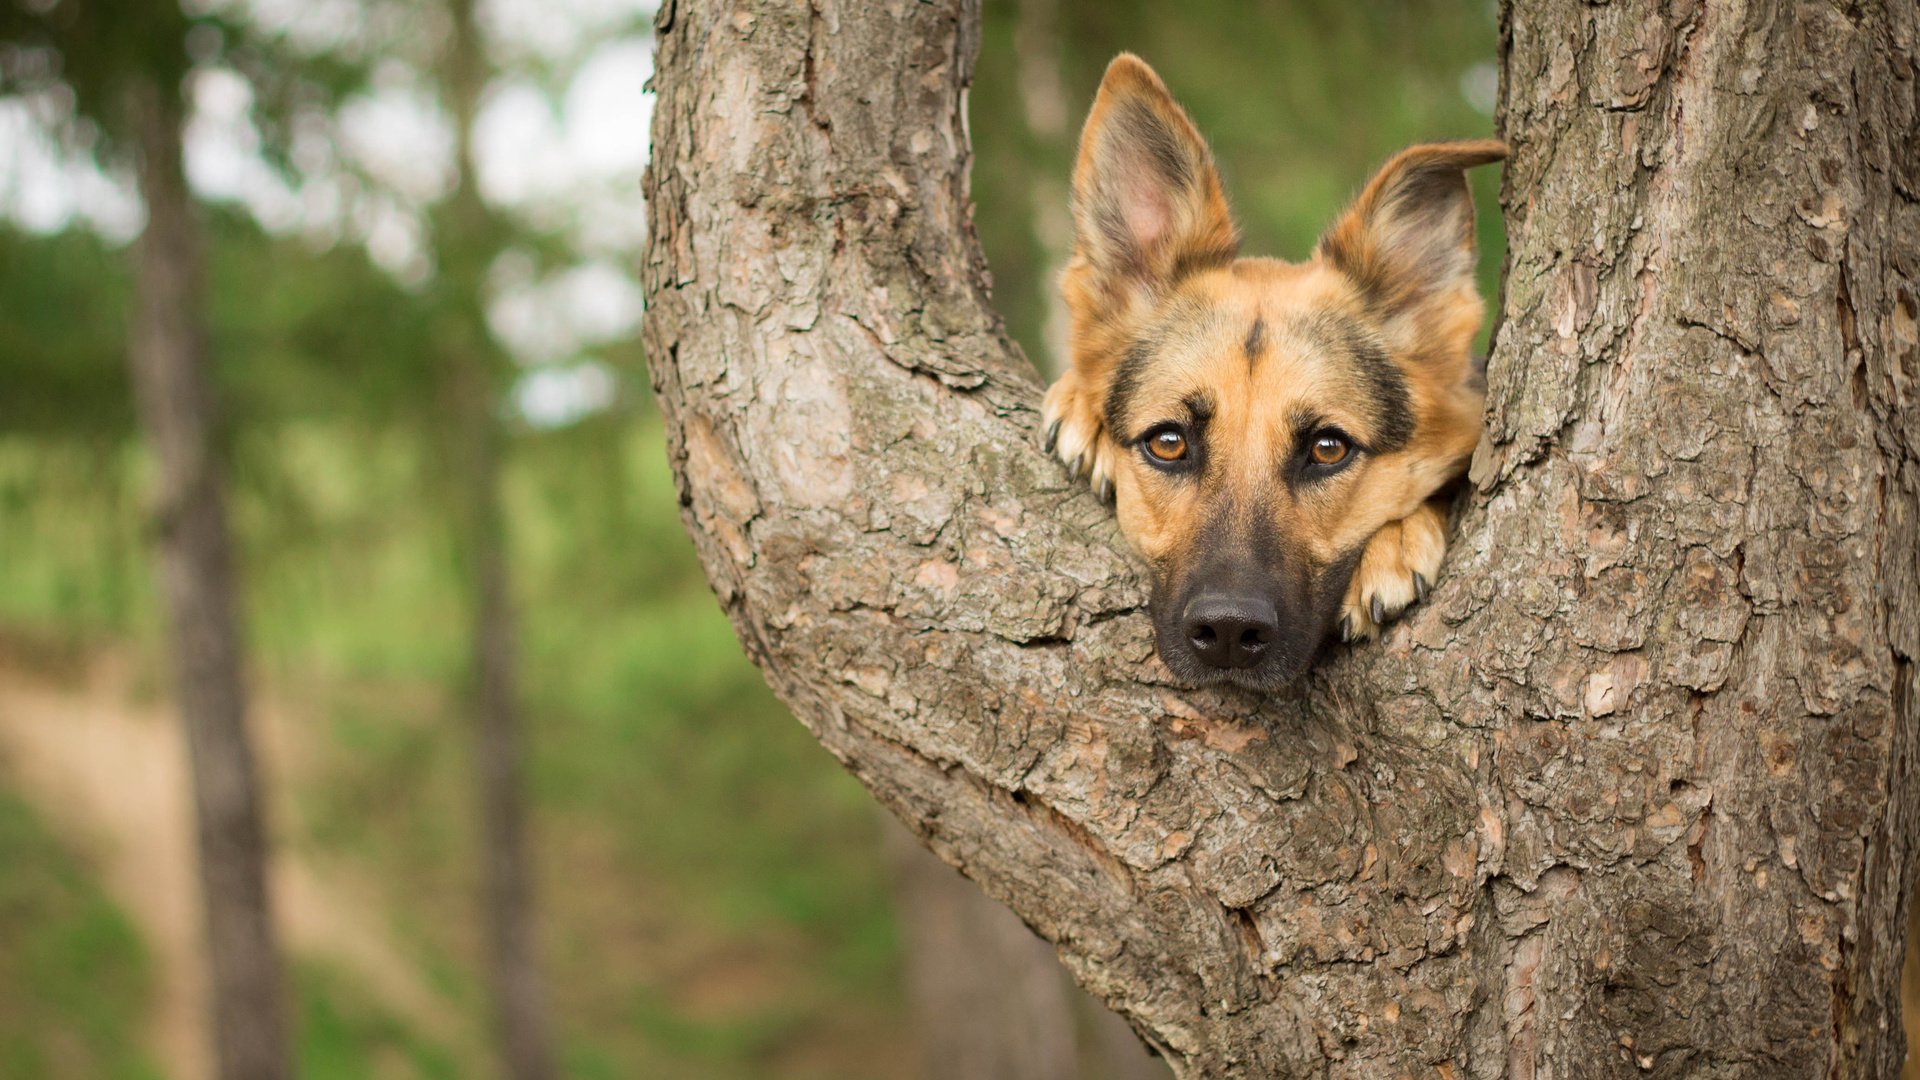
712	894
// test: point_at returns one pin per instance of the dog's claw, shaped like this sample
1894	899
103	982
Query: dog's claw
1396	571
1052	436
1104	492
1346	629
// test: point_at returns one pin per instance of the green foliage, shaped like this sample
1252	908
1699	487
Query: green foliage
692	835
304	332
73	973
344	1036
63	325
96	51
70	553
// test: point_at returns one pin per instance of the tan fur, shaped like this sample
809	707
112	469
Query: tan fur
1154	272
1101	293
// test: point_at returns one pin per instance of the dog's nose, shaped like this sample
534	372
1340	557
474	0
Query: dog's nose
1231	631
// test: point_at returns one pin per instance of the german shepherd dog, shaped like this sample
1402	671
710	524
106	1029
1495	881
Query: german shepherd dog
1272	434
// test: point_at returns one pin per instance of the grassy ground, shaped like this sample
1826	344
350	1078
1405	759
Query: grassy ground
712	897
73	974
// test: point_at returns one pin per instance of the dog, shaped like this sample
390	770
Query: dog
1272	435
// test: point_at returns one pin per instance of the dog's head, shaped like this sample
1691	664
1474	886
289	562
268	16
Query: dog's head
1265	418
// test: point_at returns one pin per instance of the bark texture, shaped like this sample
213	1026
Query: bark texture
1633	794
173	391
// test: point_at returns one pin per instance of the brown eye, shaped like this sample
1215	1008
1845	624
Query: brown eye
1329	450
1167	445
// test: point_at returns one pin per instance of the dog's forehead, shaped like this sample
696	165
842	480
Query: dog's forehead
1263	339
1252	307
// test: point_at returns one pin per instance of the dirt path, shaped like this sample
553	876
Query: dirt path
108	774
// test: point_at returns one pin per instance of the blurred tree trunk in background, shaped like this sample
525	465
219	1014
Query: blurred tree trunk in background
988	997
1043	95
172	387
465	245
1636	793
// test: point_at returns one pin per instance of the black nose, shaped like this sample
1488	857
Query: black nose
1230	631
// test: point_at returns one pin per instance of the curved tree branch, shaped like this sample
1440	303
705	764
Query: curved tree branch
1633	792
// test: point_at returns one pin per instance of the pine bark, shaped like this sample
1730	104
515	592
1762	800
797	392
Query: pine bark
170	366
1633	794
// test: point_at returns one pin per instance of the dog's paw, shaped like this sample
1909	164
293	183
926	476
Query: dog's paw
1075	432
1395	572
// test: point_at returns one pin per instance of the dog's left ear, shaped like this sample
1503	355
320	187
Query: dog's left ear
1407	241
1147	204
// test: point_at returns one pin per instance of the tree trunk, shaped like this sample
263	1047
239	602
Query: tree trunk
987	997
1036	44
466	247
1633	793
513	945
172	387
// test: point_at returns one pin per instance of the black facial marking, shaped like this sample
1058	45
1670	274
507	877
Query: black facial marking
1199	408
1389	405
1249	557
1181	319
1294	463
1126	383
1393	410
1256	341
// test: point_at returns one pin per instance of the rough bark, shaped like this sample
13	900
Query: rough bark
169	360
473	365
1633	794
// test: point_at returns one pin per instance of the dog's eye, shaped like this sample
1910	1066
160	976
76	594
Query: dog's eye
1167	445
1328	449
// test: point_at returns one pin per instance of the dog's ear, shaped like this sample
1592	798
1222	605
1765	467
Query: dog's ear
1147	205
1407	241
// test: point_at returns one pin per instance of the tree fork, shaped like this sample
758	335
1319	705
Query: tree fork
1632	794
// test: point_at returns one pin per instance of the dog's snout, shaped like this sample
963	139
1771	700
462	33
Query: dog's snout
1231	631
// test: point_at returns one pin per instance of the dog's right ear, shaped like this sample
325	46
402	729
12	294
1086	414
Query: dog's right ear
1147	204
